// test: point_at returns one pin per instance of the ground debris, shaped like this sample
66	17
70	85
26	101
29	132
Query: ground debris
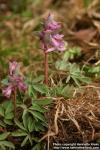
75	120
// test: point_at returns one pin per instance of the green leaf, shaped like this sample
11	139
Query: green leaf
37	115
24	141
7	144
3	147
38	79
5	81
42	102
36	147
36	139
85	79
25	118
36	128
9	115
39	126
8	122
40	88
30	124
30	139
68	79
37	108
76	81
8	106
19	124
22	106
3	136
66	56
45	124
71	53
2	124
67	91
1	111
61	65
18	133
31	91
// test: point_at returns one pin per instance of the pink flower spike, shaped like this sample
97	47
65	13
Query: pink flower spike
12	67
50	38
7	91
15	81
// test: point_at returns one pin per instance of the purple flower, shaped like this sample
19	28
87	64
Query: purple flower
15	81
51	24
7	91
57	43
12	67
50	38
18	82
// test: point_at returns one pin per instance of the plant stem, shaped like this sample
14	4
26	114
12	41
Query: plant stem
2	130
14	101
46	68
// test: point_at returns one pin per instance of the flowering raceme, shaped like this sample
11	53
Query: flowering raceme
50	38
15	81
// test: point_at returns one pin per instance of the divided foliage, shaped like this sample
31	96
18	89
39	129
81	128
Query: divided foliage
27	127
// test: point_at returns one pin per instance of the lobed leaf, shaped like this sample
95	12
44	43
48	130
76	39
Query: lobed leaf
40	88
36	147
18	133
30	124
24	141
3	136
37	115
8	122
19	124
9	115
42	102
7	144
37	108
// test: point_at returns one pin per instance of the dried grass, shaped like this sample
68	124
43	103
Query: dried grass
76	119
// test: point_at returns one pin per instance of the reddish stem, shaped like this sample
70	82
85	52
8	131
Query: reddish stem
14	101
2	130
46	68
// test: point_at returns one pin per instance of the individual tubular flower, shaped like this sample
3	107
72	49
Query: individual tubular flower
14	81
51	24
17	81
13	67
50	38
56	43
7	91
